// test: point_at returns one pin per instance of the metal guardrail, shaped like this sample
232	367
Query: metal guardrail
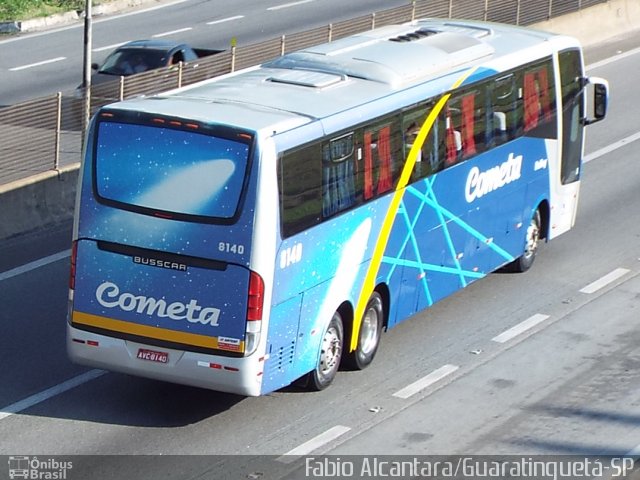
46	133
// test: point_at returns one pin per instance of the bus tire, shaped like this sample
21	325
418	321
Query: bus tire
330	355
368	335
532	240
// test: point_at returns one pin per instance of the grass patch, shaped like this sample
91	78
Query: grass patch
25	9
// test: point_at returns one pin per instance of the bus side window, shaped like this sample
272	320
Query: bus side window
473	122
439	135
502	119
382	149
453	134
338	175
537	98
412	122
468	124
300	189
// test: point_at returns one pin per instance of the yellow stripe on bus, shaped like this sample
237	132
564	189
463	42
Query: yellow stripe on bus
146	330
381	243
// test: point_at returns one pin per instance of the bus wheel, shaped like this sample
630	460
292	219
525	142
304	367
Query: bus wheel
369	334
330	355
532	239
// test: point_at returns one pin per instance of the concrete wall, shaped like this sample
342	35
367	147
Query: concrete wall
49	198
597	23
37	202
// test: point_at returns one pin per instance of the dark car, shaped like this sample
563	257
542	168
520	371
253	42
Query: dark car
142	55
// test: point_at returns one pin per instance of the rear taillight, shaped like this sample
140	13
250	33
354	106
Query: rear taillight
255	301
72	272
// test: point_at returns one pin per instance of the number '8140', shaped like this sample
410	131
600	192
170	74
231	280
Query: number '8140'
231	248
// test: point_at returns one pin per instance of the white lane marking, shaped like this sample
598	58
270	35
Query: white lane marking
37	64
49	393
109	47
14	272
229	19
615	58
605	280
144	10
426	381
520	328
287	5
611	147
313	444
172	32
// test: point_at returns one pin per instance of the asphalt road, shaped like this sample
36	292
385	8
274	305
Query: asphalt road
41	64
546	362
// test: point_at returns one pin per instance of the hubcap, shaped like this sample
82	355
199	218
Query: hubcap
369	331
331	351
533	235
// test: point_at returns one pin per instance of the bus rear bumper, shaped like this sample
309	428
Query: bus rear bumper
241	376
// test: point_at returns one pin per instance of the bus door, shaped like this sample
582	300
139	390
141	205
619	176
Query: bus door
565	183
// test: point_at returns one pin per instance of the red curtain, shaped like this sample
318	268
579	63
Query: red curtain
384	157
531	105
368	167
468	139
545	99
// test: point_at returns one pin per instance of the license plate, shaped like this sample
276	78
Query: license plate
153	356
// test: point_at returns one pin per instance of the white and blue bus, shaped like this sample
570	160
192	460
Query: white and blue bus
266	226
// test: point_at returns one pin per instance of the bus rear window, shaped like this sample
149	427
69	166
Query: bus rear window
182	173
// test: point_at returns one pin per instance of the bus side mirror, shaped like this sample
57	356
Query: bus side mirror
600	99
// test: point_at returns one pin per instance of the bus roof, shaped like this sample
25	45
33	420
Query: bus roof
315	83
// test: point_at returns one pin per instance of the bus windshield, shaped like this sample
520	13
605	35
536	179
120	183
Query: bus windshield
147	168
